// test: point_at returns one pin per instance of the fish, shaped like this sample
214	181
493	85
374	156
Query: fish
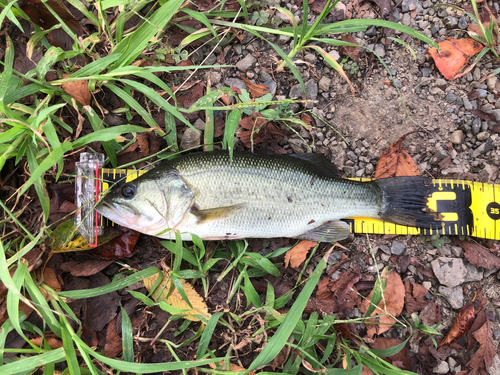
218	197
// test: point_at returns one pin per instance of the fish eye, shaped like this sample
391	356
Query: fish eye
128	191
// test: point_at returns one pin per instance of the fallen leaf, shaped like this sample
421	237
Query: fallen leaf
395	162
483	115
352	52
297	254
336	297
256	90
307	119
461	324
39	14
87	267
52	279
119	247
482	359
478	255
79	90
394	295
454	55
415	297
401	356
114	344
431	314
161	293
255	129
53	341
463	321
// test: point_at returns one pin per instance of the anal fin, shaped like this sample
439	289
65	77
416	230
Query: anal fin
328	232
215	213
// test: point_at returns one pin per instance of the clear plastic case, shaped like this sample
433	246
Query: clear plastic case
88	191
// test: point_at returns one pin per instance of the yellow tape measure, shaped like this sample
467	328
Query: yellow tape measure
468	208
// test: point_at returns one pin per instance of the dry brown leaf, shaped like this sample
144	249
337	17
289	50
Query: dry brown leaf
255	129
51	279
401	356
114	344
415	297
395	162
79	90
308	120
161	293
336	297
478	255
394	295
482	359
256	90
53	341
297	254
232	367
352	52
463	321
454	55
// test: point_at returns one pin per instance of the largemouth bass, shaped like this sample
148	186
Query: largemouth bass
262	196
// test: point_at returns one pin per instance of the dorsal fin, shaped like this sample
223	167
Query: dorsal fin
320	163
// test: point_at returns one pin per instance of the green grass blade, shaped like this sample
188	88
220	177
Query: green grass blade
29	364
207	335
143	368
128	99
279	339
127	337
111	287
232	121
69	348
133	44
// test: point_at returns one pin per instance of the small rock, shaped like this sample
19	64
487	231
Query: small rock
352	156
435	28
441	83
476	126
427	285
215	77
473	274
272	86
190	139
467	104
491	83
324	84
247	63
199	124
482	136
441	368
426	72
457	137
334	257
236	83
397	248
451	97
495	366
462	23
449	271
334	54
406	19
379	50
450	22
484	148
311	58
455	296
408	5
372	31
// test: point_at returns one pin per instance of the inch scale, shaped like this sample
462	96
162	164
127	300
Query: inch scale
468	208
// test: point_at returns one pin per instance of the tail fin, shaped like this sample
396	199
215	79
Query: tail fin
405	202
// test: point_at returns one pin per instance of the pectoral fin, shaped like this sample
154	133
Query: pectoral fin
328	232
215	213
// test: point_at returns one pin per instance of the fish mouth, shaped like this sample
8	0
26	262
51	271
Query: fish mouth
117	212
